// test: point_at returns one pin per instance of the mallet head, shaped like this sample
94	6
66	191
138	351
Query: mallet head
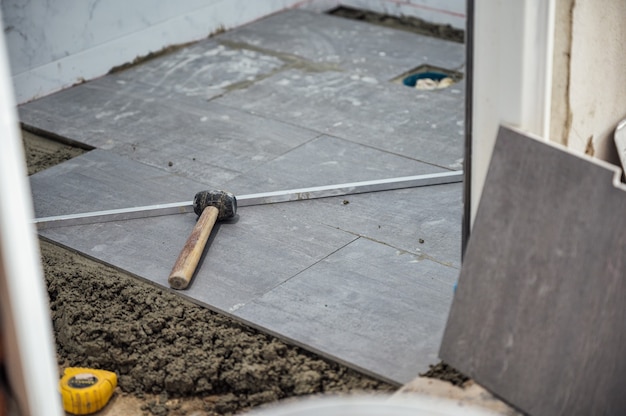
225	202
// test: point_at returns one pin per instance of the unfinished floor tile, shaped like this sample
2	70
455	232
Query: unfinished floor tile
266	246
254	253
297	99
327	160
203	69
356	305
209	143
361	48
423	125
424	221
101	180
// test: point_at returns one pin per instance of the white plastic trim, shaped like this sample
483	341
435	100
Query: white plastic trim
512	81
26	325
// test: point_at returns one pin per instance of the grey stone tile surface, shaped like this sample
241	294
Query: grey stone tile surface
421	221
297	99
100	180
360	47
423	125
241	265
366	304
327	160
209	143
538	317
204	69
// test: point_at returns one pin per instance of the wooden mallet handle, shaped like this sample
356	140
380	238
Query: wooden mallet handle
209	206
189	257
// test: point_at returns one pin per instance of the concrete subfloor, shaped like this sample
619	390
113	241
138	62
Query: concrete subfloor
297	99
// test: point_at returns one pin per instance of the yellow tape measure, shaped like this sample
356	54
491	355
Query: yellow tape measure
85	390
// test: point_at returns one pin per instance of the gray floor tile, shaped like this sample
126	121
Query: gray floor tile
100	180
368	305
423	125
422	221
327	160
210	143
261	108
204	69
243	259
240	265
362	48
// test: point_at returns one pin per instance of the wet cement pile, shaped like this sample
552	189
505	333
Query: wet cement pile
445	372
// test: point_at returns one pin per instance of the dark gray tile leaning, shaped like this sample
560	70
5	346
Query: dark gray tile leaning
538	317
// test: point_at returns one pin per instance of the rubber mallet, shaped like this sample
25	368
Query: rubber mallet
210	206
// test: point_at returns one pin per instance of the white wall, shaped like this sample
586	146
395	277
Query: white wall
54	44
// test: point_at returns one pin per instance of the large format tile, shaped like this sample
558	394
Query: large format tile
247	257
423	125
100	180
362	48
249	260
210	143
424	221
327	160
368	305
538	317
204	69
263	108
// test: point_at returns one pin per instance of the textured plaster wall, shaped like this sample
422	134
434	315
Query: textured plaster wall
560	117
589	95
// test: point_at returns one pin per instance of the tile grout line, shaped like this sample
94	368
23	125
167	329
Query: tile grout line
392	153
292	62
280	155
421	256
315	263
320	134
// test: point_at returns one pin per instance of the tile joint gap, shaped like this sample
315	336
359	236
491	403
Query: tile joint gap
315	263
421	256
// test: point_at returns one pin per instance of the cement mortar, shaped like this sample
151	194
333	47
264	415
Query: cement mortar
411	24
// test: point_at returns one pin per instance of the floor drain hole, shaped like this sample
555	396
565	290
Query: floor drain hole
428	78
428	81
